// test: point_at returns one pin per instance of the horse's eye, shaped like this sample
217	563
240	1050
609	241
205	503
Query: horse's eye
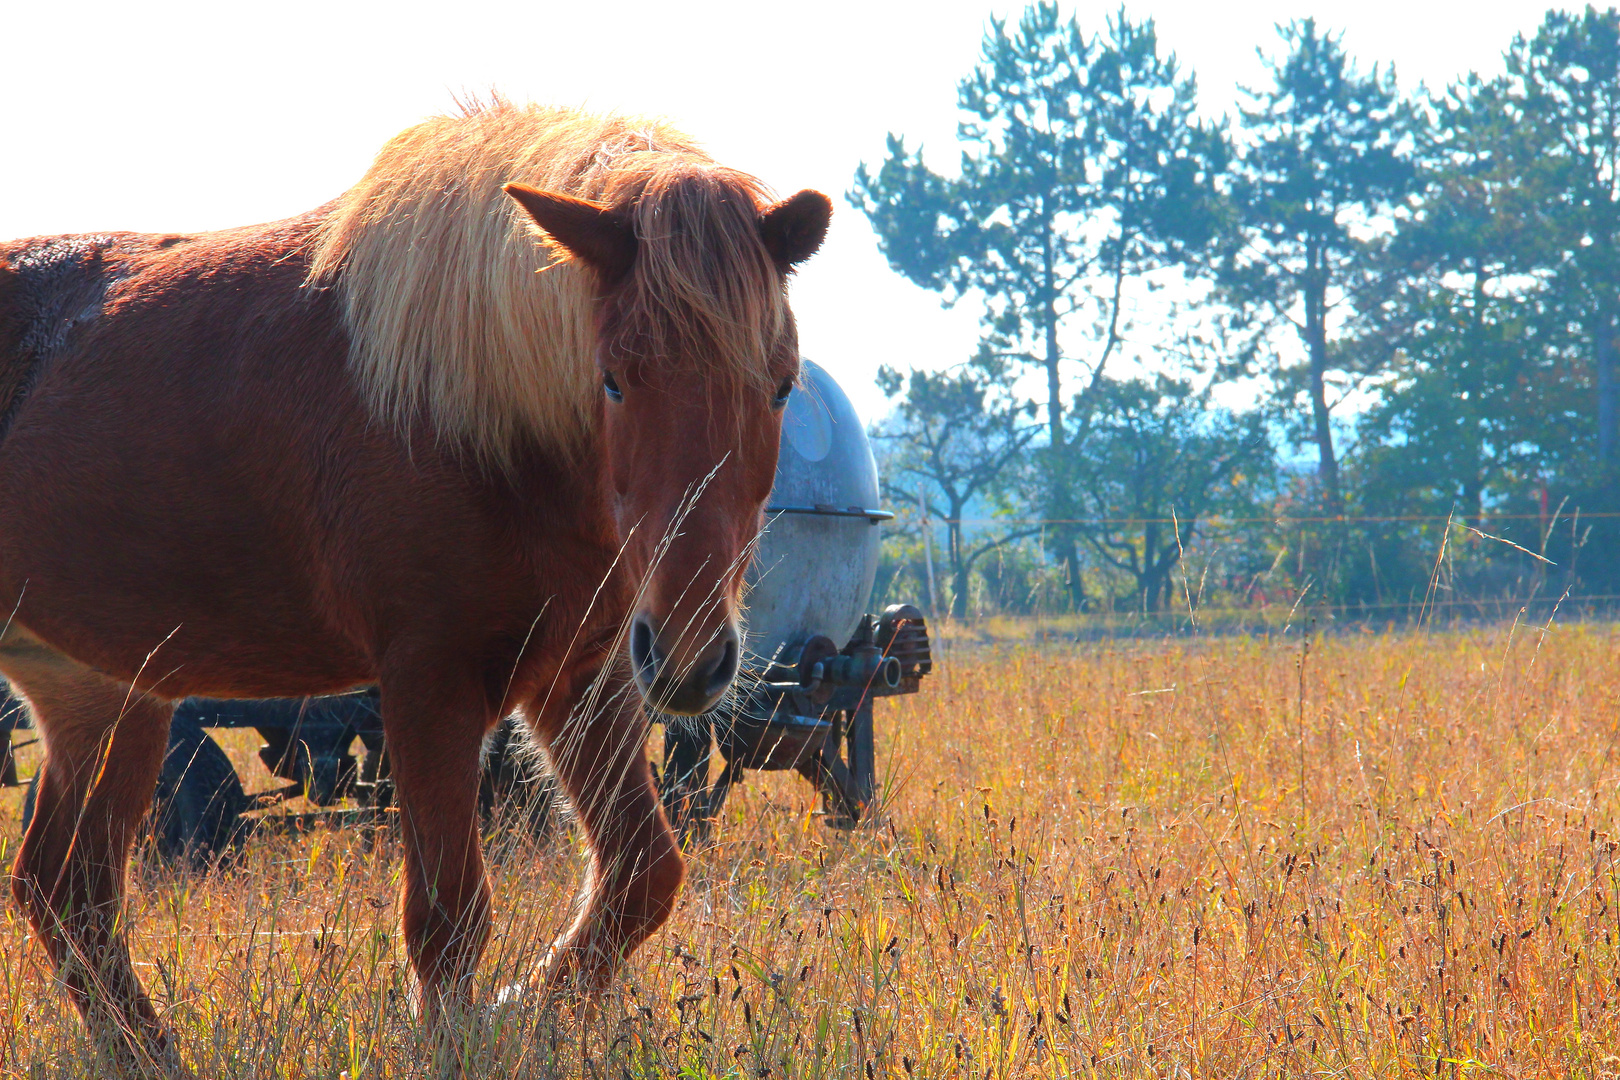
612	387
783	392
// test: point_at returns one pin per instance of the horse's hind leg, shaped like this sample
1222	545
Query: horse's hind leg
635	870
104	747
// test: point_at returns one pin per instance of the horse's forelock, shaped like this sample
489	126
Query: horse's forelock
704	286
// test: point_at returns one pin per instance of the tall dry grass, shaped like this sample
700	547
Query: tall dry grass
1162	859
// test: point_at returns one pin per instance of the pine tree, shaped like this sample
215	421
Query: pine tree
1083	168
1322	160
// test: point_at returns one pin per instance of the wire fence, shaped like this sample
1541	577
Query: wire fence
1281	520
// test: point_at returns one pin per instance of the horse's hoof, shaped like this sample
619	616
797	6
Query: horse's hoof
512	994
574	972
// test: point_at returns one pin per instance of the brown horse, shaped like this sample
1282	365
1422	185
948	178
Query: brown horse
511	400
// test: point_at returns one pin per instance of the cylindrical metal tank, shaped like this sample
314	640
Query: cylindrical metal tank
817	559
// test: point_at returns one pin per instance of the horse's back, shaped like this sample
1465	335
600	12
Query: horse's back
167	404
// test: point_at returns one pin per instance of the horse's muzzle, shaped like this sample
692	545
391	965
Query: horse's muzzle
696	683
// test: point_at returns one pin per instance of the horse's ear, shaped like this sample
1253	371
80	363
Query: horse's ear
794	228
599	236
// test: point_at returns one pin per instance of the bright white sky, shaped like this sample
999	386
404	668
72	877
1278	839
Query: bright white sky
184	116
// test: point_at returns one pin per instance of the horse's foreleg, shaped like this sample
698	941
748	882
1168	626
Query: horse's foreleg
435	732
104	747
635	869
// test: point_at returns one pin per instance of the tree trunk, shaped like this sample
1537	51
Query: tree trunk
1057	476
959	567
1327	470
1146	581
1163	571
1473	495
1049	330
1071	568
1474	489
1604	357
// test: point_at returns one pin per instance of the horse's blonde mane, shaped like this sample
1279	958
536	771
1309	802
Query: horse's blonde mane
440	272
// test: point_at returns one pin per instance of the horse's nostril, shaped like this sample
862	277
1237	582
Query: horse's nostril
644	649
692	686
725	668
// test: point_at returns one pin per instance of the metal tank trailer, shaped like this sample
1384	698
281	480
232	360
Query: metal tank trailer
814	663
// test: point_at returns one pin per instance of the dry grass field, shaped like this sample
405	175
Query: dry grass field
1168	859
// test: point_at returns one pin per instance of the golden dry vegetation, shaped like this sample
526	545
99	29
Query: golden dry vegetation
1175	859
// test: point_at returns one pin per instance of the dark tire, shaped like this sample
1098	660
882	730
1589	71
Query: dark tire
196	810
196	813
516	789
862	760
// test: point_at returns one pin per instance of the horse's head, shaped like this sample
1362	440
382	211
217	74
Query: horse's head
697	354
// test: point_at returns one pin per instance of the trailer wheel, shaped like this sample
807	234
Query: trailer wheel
196	809
196	813
516	788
